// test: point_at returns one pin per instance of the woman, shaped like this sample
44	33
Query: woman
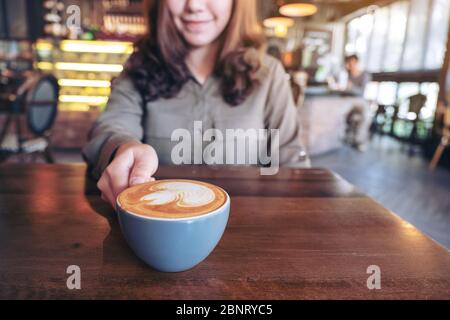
202	60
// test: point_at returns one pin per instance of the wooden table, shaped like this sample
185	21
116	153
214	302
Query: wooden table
303	234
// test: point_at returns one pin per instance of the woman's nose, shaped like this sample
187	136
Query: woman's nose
195	5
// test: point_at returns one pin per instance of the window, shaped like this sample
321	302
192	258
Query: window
396	36
377	44
387	93
406	90
407	35
431	90
371	92
352	36
415	37
438	34
359	31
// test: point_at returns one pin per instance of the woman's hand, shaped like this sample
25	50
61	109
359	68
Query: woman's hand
134	163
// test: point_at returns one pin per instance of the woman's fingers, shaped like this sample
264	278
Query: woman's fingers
119	172
107	193
134	163
145	165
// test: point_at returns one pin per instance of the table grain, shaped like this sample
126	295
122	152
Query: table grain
302	234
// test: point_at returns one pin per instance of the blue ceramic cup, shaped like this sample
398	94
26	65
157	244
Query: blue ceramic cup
173	245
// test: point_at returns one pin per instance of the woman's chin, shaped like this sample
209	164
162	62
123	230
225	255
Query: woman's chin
199	40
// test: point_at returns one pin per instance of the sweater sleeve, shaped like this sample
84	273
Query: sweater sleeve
121	122
282	115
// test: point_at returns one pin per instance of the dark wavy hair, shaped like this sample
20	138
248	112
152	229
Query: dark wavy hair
157	67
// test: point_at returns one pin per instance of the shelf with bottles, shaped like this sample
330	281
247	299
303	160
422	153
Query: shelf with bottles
84	69
16	61
15	53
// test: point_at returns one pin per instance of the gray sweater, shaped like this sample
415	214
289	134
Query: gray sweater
270	106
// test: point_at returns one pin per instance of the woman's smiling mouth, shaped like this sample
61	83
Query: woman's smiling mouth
196	25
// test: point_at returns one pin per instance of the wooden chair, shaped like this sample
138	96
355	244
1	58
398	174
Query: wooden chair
416	103
378	120
445	141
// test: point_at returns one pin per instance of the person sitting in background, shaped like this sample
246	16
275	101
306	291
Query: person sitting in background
357	118
357	78
275	52
352	82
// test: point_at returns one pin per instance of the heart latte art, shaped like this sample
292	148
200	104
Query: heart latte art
172	199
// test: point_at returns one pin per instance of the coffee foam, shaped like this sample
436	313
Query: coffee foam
172	199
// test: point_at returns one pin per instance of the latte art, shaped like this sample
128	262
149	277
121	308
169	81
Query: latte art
172	199
185	194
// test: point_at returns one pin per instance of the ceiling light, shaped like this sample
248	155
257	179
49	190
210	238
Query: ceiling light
278	21
298	9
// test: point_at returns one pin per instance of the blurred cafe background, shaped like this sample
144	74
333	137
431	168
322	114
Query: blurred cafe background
390	138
